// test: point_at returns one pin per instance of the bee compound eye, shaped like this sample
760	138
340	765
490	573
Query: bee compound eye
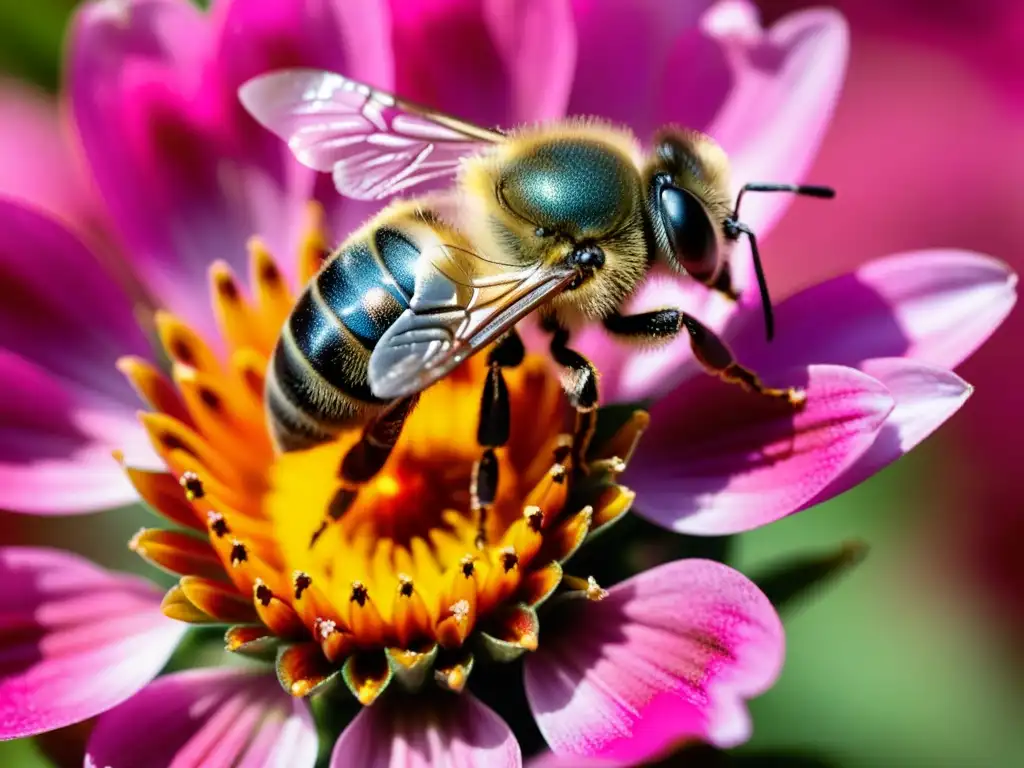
691	235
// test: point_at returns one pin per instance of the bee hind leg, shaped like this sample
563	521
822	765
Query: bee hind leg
365	459
708	348
494	427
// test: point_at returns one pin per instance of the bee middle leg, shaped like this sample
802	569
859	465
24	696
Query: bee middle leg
366	458
579	381
493	429
711	351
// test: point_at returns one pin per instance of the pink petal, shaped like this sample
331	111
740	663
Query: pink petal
785	84
56	444
451	730
207	718
36	164
60	308
76	640
670	654
926	397
932	306
622	86
470	80
718	460
537	41
187	175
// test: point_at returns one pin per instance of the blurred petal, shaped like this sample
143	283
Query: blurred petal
187	175
671	654
469	79
926	397
537	41
207	717
56	445
454	730
36	164
785	85
60	309
718	460
933	306
76	640
624	48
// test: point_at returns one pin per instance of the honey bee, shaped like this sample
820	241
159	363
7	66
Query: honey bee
565	219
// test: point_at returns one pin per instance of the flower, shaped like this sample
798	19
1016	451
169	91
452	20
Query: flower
187	178
412	589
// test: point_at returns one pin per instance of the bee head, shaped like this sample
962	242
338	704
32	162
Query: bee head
688	203
573	199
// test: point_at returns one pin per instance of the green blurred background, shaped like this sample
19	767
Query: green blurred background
910	660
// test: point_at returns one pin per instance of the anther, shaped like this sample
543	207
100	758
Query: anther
269	272
226	287
217	524
210	399
534	517
594	590
405	585
262	592
193	486
468	565
460	611
183	353
239	554
562	453
509	559
359	593
301	581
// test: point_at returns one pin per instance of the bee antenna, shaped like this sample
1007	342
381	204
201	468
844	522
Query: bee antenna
735	227
808	190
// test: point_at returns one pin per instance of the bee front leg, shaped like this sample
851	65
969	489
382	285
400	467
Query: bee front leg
366	458
494	426
708	348
579	380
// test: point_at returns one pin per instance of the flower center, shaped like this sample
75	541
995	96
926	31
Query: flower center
400	582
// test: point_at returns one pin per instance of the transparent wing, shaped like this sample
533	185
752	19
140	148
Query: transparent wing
375	144
461	303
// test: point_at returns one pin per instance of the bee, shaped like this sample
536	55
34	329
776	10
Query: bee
565	219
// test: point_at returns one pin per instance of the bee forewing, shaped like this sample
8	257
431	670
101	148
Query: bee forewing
373	143
461	305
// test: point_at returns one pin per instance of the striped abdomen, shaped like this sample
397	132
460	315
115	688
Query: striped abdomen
317	382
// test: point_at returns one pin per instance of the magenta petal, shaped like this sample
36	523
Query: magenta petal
718	460
670	654
207	718
642	35
56	458
75	640
450	730
60	309
932	306
786	82
926	397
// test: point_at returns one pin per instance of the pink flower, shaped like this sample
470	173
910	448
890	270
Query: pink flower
186	178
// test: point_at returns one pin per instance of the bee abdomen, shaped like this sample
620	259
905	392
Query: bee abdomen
318	381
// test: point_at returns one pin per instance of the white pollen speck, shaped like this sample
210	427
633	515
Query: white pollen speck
133	542
460	610
594	590
327	628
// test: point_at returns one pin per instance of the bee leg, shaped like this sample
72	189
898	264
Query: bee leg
493	429
579	380
366	458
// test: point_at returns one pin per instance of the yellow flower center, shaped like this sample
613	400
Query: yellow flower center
413	570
